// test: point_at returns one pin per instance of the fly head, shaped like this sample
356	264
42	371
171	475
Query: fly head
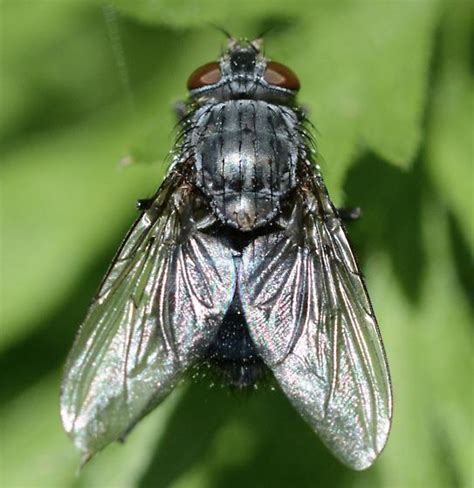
243	72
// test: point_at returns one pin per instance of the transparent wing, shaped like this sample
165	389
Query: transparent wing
312	322
158	307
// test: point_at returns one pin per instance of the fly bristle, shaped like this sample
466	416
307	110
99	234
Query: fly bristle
232	360
238	377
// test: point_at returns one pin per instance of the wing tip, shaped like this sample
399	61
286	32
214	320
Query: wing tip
86	456
86	440
364	458
361	460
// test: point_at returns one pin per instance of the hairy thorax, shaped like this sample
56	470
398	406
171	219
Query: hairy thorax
245	156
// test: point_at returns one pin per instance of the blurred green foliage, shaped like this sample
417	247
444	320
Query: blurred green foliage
389	87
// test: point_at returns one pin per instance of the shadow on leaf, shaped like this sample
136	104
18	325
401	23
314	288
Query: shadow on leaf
390	199
232	440
51	338
462	258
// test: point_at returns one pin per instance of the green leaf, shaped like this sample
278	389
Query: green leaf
124	464
37	453
57	66
428	349
196	13
450	142
35	450
64	190
361	87
84	86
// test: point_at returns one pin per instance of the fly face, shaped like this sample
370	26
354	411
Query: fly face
240	261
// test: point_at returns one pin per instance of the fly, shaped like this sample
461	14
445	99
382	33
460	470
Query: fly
240	261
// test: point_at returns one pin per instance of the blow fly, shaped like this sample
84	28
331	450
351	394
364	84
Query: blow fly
239	261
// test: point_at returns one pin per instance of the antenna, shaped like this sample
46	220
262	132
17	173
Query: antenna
229	36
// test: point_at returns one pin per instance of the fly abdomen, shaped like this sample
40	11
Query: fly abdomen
245	154
232	354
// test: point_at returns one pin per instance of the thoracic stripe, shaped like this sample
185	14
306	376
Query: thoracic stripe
246	173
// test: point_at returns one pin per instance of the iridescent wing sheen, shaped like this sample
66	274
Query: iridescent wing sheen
311	320
157	309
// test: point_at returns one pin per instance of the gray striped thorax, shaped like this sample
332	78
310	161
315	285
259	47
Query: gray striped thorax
243	135
245	156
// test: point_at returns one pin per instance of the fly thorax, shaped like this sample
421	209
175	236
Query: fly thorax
245	156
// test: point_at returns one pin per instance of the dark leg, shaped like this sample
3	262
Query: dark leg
144	204
349	214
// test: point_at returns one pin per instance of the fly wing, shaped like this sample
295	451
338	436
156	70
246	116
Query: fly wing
311	320
158	307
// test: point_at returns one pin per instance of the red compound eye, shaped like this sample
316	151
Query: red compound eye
279	75
207	74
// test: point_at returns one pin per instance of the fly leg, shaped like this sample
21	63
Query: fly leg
349	214
144	204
